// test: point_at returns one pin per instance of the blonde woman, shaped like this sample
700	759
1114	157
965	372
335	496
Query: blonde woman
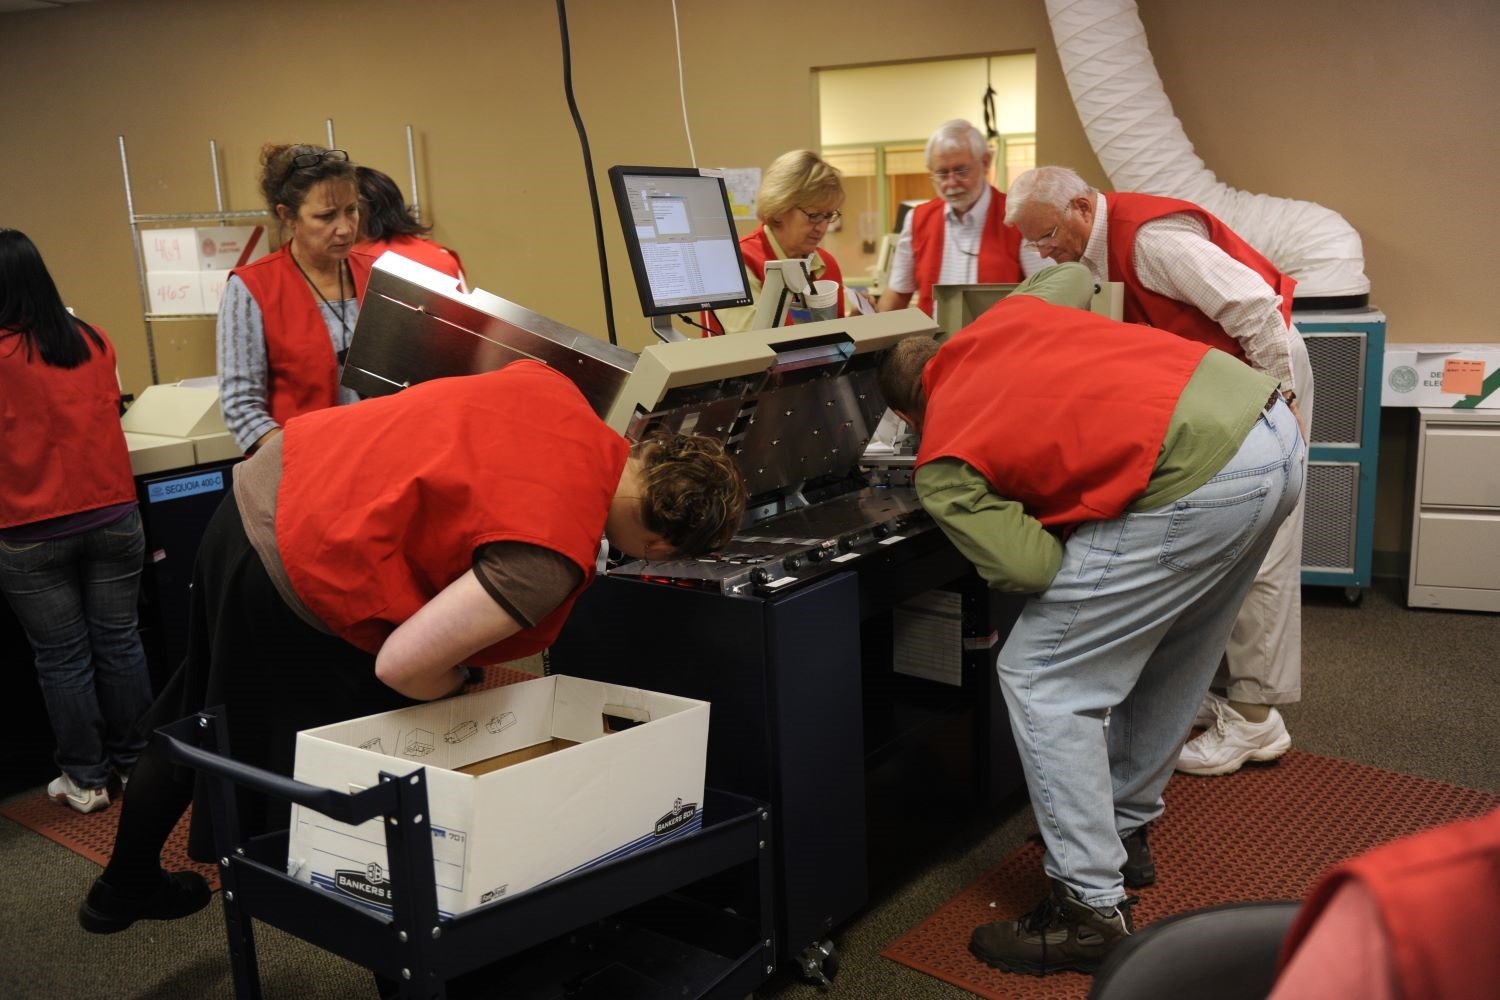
799	199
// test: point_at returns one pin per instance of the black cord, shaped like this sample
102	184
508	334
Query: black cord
588	167
991	120
707	329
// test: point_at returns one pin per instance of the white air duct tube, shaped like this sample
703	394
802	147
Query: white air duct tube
1142	147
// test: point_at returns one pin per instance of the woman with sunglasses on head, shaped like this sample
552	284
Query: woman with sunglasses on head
799	199
286	319
71	545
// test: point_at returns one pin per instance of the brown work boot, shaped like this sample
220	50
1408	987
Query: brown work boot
1063	932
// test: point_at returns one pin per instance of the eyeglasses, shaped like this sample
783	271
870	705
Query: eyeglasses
1048	238
956	173
304	160
818	218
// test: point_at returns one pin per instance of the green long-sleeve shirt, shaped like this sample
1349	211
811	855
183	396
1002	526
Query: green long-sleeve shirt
1009	547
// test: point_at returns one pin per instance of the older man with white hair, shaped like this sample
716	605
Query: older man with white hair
960	236
1186	272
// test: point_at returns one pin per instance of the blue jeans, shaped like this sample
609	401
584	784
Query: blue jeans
76	598
1104	670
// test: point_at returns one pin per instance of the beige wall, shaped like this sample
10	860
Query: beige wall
1383	110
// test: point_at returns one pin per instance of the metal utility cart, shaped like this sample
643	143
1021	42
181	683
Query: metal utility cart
687	919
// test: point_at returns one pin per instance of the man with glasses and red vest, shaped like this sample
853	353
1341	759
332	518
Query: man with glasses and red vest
1186	272
961	236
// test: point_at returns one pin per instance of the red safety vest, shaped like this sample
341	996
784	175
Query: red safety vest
756	249
300	363
999	247
1054	407
1127	213
423	251
61	447
1420	884
383	504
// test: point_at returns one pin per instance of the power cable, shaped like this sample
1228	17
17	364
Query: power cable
588	167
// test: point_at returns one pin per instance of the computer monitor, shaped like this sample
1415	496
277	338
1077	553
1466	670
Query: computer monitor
956	306
903	209
683	247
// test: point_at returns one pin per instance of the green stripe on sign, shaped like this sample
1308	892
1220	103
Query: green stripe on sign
1490	385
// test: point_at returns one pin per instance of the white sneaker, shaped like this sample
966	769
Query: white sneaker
1208	710
1231	741
64	792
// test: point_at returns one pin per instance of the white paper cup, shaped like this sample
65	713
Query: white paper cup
825	293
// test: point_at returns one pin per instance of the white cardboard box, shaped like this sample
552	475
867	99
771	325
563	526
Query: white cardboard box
212	283
210	248
175	293
531	820
1445	375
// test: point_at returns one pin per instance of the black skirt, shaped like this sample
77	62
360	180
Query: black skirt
272	672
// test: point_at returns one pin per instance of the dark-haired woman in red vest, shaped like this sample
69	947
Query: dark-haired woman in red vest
285	320
388	224
71	545
370	550
799	199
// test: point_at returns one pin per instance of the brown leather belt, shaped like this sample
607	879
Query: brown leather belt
1273	399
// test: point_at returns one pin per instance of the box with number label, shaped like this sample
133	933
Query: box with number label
211	248
526	783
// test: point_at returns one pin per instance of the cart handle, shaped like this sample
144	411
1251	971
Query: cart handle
353	808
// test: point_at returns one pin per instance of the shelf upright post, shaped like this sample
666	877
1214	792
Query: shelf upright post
213	165
140	265
411	168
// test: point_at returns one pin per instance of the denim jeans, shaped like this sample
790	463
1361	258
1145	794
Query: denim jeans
76	598
1104	670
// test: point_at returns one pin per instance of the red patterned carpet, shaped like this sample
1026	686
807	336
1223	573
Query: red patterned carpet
1266	832
93	835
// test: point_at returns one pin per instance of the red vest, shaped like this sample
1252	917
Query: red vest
1127	212
383	504
423	251
61	447
1420	884
999	246
1054	407
756	249
300	363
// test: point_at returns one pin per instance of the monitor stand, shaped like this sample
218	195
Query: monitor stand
663	328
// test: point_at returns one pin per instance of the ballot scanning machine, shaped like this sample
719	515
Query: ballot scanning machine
793	631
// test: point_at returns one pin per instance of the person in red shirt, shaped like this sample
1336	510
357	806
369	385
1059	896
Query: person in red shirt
71	543
1131	480
799	199
285	320
371	550
960	237
1385	925
1186	272
388	224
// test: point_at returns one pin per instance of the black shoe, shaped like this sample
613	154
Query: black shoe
1139	868
1063	932
106	909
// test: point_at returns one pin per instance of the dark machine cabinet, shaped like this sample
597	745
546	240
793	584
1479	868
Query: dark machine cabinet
807	713
176	507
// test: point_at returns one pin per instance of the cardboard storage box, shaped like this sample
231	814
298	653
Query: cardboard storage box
1445	375
175	293
211	248
525	783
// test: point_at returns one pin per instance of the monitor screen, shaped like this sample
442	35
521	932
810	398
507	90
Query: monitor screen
680	233
956	306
